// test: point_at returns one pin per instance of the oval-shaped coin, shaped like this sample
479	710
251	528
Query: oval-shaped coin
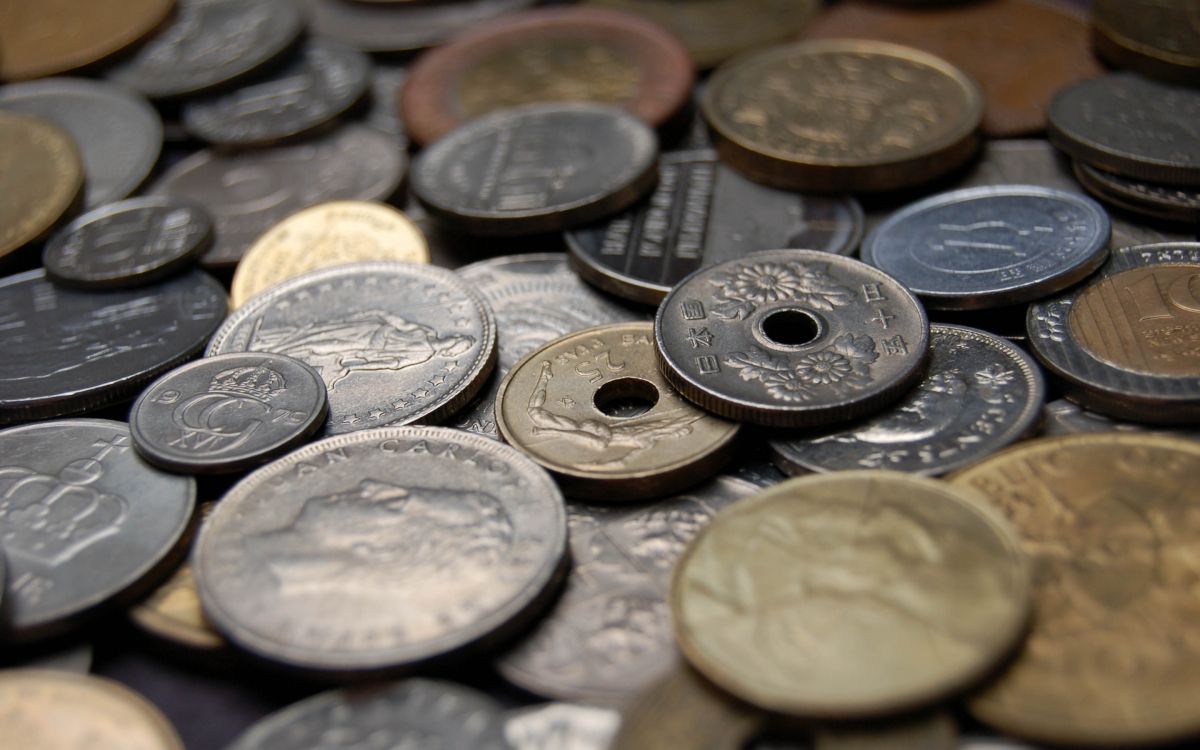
1166	202
41	176
1159	38
1110	522
537	168
382	549
852	594
702	213
791	338
59	711
593	408
83	520
405	27
979	394
68	351
127	244
685	710
843	116
560	726
990	247
393	342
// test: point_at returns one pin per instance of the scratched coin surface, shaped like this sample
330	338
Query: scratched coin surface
608	637
852	594
393	342
560	726
1166	202
41	176
791	338
83	519
1159	38
702	213
593	408
685	710
1111	523
401	28
979	394
979	248
382	549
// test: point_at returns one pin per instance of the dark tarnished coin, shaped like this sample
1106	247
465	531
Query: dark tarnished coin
936	731
608	637
1166	202
68	351
1061	417
227	413
380	550
248	192
979	394
320	82
1160	38
685	710
82	520
702	213
548	55
990	247
402	28
127	244
560	726
791	338
383	111
210	43
393	342
41	176
1132	126
537	168
535	299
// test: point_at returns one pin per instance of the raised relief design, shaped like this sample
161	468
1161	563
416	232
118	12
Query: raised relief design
843	367
927	412
236	404
745	288
989	236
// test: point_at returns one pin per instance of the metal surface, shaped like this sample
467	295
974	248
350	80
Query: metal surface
560	726
401	29
41	176
685	710
1159	38
1166	202
1061	417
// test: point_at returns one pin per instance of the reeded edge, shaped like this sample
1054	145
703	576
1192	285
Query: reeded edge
1096	183
1125	52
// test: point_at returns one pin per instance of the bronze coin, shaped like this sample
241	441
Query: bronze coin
41	176
1159	38
549	55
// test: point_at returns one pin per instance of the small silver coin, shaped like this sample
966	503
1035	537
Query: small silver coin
383	111
1166	202
561	726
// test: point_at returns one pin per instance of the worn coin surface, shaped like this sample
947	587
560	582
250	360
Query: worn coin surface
1111	522
82	520
1160	38
560	726
1166	202
537	168
67	351
980	248
393	342
843	115
851	594
979	394
402	28
130	243
685	710
608	637
702	213
791	338
593	408
381	549
41	176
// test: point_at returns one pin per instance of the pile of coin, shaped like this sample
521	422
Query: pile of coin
803	406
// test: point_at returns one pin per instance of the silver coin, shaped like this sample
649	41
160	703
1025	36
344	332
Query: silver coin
535	299
609	635
382	549
383	111
402	27
227	413
1166	202
991	247
415	714
395	343
83	520
702	213
991	743
561	726
979	394
1061	417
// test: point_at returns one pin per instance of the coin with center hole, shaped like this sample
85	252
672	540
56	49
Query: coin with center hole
41	176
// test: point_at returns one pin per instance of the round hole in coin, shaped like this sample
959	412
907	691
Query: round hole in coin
791	328
626	398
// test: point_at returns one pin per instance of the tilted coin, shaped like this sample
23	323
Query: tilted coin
381	550
1160	38
126	244
560	726
248	192
58	711
1166	202
593	408
843	115
851	594
979	394
1061	417
68	351
989	247
685	710
393	342
82	520
1111	522
402	29
383	111
75	659
548	55
702	213
791	338
537	168
208	44
322	81
41	176
608	637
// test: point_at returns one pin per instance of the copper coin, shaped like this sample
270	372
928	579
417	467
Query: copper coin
41	176
1020	51
549	55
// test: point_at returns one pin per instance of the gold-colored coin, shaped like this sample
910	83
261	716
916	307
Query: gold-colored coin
62	711
41	177
843	115
329	234
1159	38
852	594
173	612
593	408
1112	522
684	711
